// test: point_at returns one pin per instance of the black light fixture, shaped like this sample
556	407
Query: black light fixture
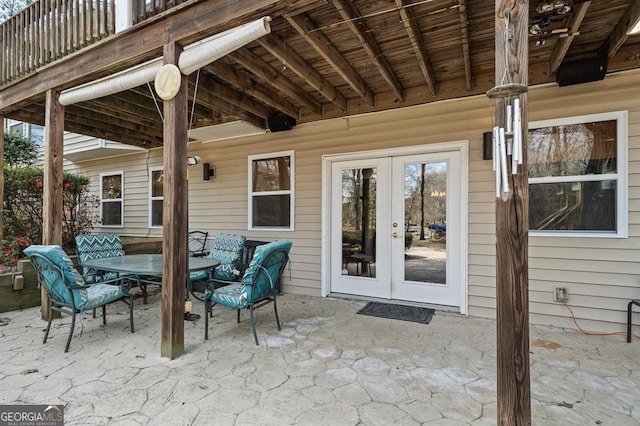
208	171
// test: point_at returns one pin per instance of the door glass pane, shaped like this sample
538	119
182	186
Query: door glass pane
425	222
359	222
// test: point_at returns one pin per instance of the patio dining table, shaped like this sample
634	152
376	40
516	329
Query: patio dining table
146	266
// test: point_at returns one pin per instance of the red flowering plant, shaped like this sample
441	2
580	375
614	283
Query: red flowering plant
10	251
22	211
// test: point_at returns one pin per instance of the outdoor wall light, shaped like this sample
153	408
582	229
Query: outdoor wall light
208	171
192	161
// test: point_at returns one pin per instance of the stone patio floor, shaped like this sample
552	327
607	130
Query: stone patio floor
328	366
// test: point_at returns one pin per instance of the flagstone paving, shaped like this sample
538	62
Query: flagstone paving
327	366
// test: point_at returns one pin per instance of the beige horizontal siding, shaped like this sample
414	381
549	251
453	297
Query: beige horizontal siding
601	274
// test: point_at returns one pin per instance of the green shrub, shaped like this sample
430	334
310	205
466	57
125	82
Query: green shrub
22	212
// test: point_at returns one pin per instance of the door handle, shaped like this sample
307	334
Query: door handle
395	235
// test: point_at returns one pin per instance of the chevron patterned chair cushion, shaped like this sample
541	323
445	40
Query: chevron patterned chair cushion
227	249
96	246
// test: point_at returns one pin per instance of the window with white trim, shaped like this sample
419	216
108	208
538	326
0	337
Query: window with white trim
111	198
156	198
578	176
271	191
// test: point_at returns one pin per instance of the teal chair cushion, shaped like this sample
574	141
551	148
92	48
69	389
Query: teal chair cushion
101	294
84	297
227	249
53	282
255	283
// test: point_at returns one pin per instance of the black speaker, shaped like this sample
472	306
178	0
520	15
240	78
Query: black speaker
582	71
280	122
487	146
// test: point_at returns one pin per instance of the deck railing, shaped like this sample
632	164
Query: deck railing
48	30
145	9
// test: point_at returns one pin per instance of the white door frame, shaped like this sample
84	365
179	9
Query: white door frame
462	146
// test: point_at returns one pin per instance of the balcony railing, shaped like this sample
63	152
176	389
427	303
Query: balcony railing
48	30
145	9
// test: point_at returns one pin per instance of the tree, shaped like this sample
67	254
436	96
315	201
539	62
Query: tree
8	8
19	150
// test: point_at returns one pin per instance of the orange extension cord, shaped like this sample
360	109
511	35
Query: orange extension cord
591	333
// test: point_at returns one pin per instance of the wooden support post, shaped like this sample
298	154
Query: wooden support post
1	177
174	218
53	178
512	225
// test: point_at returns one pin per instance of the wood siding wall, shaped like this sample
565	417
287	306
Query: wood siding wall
601	274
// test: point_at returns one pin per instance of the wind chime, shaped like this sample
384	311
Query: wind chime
507	147
507	140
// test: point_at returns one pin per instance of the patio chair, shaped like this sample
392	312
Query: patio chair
96	246
629	312
68	292
197	243
228	250
257	287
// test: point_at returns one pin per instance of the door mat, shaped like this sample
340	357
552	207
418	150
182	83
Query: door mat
399	312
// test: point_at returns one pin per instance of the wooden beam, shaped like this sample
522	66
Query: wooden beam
512	228
174	215
248	86
562	45
227	93
216	103
413	30
53	179
198	20
277	47
356	23
621	31
464	33
263	70
307	29
85	113
1	173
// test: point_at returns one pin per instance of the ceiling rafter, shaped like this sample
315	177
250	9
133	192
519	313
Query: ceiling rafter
307	29
411	25
356	23
248	86
276	46
563	44
464	33
263	70
621	32
227	93
209	100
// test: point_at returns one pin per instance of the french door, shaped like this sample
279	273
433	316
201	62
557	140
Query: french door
396	228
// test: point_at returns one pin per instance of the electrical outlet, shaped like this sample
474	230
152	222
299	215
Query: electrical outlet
560	294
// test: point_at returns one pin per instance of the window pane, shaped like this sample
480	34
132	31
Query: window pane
573	150
111	213
272	174
272	210
156	213
111	187
157	177
580	206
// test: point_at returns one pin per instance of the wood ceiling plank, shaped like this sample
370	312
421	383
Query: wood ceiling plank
314	36
563	44
356	23
621	32
277	47
266	72
464	33
248	86
413	30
